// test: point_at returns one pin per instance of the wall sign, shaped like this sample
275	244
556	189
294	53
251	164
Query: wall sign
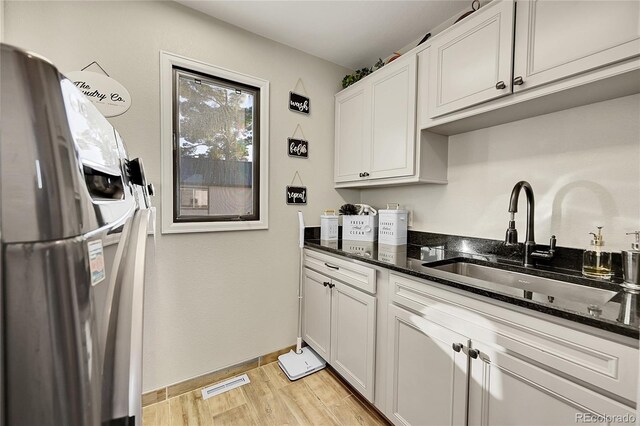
110	97
299	103
296	194
298	148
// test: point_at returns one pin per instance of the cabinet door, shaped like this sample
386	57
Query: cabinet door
353	337
427	378
469	62
504	390
557	39
316	313
393	96
353	133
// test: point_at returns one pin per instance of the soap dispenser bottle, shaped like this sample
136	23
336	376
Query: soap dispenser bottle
631	264
596	262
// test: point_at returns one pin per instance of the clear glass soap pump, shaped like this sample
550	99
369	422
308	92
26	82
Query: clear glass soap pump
596	262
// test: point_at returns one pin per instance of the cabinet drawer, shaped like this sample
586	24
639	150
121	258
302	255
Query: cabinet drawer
580	356
348	272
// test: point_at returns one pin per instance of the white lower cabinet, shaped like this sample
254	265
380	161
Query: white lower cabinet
505	390
453	363
447	358
353	319
316	313
339	324
428	383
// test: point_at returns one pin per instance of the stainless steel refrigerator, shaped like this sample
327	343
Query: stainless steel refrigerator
74	215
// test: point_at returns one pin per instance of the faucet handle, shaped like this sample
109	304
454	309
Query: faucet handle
552	243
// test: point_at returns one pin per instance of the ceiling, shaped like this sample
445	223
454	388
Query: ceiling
353	34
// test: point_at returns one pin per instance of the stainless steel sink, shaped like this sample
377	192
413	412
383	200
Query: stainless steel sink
529	284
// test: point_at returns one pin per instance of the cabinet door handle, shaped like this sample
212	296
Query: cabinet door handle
331	285
518	81
500	85
457	347
365	174
361	174
326	284
473	353
331	266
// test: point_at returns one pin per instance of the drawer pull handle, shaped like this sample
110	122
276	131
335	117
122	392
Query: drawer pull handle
326	284
518	81
473	353
500	85
331	285
331	266
457	347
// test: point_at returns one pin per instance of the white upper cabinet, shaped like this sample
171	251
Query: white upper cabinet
353	129
557	39
393	93
472	62
376	130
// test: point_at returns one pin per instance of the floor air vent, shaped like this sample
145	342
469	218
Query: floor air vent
227	385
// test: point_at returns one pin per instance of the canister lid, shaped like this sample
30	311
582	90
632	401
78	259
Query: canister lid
329	214
392	208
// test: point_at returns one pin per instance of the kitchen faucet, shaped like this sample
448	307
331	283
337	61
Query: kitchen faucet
511	237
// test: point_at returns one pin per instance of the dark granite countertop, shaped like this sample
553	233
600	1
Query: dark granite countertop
426	250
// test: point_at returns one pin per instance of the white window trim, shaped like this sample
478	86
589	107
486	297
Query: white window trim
167	62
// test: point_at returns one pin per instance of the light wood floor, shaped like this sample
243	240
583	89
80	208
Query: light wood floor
270	399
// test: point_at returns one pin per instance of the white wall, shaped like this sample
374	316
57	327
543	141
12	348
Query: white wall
583	164
2	21
213	299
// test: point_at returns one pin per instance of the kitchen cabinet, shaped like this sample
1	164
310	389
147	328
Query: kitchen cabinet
515	369
428	376
565	54
472	62
316	313
375	124
375	132
353	129
504	389
393	102
353	319
339	319
556	39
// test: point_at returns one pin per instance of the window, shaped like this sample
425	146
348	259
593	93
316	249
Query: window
216	154
215	148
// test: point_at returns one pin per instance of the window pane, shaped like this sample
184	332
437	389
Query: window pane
216	151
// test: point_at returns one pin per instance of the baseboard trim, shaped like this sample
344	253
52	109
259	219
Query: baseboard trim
194	383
